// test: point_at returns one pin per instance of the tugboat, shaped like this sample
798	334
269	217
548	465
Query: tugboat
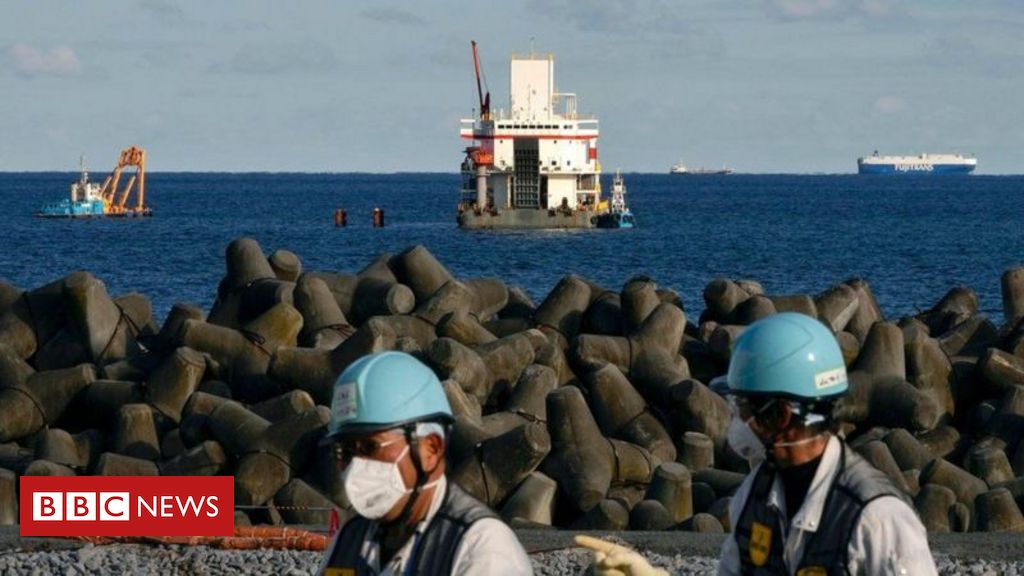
534	166
85	200
90	200
618	216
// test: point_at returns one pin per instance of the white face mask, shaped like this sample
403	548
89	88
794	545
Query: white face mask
374	487
744	441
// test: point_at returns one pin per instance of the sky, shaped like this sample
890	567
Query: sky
796	86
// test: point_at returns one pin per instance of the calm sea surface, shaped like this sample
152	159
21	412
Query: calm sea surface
911	238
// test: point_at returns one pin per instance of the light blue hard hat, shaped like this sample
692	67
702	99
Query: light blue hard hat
383	391
787	355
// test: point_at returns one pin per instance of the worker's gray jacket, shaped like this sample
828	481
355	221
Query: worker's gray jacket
886	536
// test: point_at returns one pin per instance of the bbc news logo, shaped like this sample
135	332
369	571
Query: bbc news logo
127	506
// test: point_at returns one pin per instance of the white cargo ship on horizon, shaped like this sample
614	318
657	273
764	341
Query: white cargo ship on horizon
920	164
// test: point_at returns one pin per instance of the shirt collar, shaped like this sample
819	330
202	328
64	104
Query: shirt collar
808	518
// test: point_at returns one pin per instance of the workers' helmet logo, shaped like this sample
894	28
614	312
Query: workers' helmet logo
760	544
343	406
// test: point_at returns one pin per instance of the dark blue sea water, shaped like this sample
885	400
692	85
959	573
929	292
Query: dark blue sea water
911	238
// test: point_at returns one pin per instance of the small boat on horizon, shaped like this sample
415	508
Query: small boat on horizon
682	170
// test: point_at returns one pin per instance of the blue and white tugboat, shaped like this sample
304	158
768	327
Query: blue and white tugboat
618	215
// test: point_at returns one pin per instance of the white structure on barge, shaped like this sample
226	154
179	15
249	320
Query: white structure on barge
536	166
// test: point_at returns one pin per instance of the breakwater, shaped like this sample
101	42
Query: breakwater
586	409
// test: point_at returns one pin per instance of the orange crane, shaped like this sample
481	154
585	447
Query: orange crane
480	156
114	200
485	101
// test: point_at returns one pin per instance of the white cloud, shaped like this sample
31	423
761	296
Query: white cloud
890	105
58	61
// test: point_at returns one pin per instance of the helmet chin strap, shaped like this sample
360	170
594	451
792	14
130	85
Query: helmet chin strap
421	475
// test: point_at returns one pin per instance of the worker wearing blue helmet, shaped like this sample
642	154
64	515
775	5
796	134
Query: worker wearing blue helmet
390	420
810	506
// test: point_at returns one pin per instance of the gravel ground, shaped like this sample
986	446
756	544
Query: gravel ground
136	559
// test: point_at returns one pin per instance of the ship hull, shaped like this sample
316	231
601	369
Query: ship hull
914	169
526	219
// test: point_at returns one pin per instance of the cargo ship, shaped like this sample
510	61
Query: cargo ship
534	166
682	170
920	164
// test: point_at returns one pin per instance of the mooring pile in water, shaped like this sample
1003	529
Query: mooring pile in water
589	411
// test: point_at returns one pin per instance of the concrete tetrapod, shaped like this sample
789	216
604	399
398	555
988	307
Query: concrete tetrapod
561	313
8	498
206	459
57	446
800	303
284	446
465	329
136	433
605	515
581	459
696	451
649	358
622	413
39	401
100	324
286	265
996	511
966	486
929	370
868	311
906	450
174	380
315	370
671	485
246	353
300	503
1012	283
837	306
697	409
970	338
650	515
323	323
284	406
418	269
753	309
111	464
377	292
721	297
989	463
533	500
1002	369
934	505
604	316
499	464
33	319
246	265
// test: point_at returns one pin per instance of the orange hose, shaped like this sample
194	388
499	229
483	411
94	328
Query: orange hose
245	538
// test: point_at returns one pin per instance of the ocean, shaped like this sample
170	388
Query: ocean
911	238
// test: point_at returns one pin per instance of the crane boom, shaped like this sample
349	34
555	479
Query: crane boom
485	102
